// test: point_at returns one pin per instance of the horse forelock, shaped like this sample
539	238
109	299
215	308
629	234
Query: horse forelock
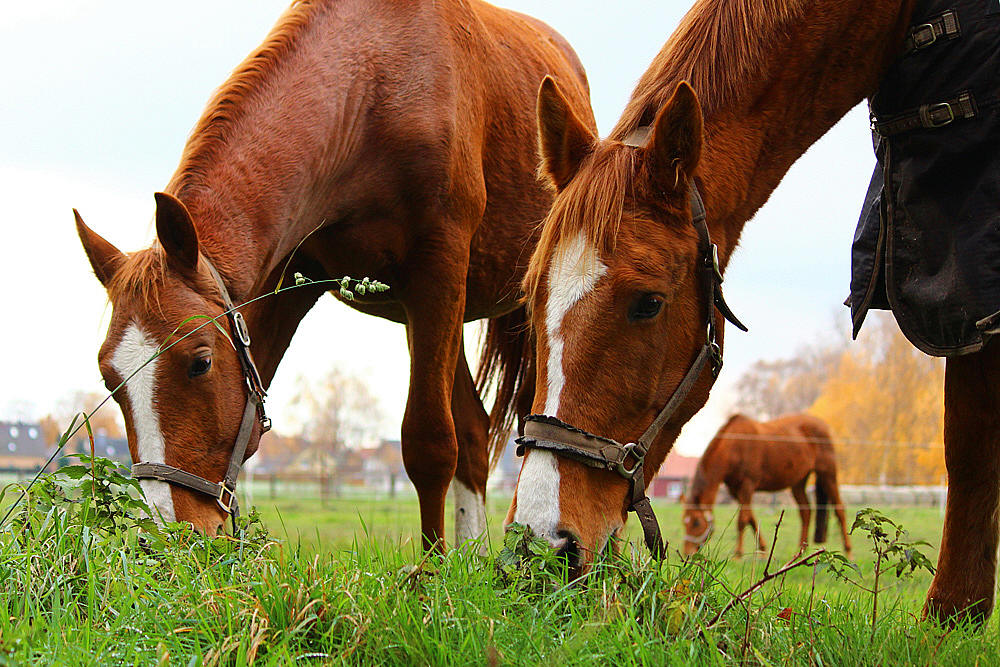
719	48
139	278
592	205
142	277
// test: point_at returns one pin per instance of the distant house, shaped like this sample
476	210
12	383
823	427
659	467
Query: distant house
504	476
382	467
105	446
286	453
672	479
22	447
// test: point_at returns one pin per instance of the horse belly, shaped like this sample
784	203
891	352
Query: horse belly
783	467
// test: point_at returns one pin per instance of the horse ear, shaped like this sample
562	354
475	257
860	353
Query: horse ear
675	146
104	257
176	233
563	140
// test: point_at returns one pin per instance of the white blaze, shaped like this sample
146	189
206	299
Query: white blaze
133	351
470	513
576	267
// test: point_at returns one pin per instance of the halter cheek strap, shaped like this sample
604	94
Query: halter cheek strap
223	491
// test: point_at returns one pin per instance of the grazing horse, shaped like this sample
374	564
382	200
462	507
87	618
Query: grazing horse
749	456
617	285
394	140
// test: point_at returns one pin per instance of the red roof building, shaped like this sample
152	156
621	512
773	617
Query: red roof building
674	476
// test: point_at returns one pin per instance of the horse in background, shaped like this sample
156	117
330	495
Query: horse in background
749	456
395	141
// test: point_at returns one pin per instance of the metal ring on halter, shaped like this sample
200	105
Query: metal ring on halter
223	490
241	328
633	450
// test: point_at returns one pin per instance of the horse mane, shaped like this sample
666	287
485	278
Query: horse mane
729	422
699	482
719	48
229	103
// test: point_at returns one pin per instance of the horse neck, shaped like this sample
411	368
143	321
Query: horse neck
263	168
803	74
705	485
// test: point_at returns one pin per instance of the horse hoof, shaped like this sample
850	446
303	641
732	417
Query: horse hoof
950	612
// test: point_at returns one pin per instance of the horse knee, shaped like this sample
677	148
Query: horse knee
430	454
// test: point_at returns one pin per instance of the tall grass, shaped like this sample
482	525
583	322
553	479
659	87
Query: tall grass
88	578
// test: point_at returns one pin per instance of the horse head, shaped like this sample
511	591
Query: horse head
699	524
184	386
618	308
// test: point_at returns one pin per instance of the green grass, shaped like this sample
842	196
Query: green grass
336	525
347	584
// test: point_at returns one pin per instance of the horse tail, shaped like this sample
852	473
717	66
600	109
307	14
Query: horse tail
822	508
826	473
506	365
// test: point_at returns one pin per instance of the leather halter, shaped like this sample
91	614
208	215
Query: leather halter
223	491
548	433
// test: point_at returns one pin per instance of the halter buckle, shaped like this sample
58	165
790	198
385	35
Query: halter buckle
923	36
630	449
940	114
715	263
716	355
242	331
227	507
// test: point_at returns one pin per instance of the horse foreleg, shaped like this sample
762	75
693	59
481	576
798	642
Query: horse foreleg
761	544
434	301
832	488
741	523
968	558
472	431
805	512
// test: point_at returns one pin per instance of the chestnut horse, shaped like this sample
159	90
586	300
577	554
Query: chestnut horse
617	302
749	456
390	140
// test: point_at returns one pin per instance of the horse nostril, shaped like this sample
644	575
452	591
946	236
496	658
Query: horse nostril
570	550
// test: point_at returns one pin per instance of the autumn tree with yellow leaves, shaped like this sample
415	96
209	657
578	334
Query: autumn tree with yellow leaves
883	400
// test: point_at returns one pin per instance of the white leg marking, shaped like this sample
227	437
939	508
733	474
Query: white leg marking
133	351
575	270
470	513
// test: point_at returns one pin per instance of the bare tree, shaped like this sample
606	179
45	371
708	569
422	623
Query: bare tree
769	389
337	411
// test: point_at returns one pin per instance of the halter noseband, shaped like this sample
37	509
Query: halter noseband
699	540
224	491
548	433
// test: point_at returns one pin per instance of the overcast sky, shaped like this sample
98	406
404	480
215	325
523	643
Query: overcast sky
97	101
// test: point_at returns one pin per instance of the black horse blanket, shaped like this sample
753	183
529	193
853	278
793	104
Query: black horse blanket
928	241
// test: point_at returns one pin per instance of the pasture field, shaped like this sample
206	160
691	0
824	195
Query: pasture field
347	584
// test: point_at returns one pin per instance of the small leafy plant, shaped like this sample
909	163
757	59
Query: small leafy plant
893	551
529	562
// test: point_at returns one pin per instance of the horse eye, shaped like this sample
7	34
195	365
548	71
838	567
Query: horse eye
199	366
645	307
